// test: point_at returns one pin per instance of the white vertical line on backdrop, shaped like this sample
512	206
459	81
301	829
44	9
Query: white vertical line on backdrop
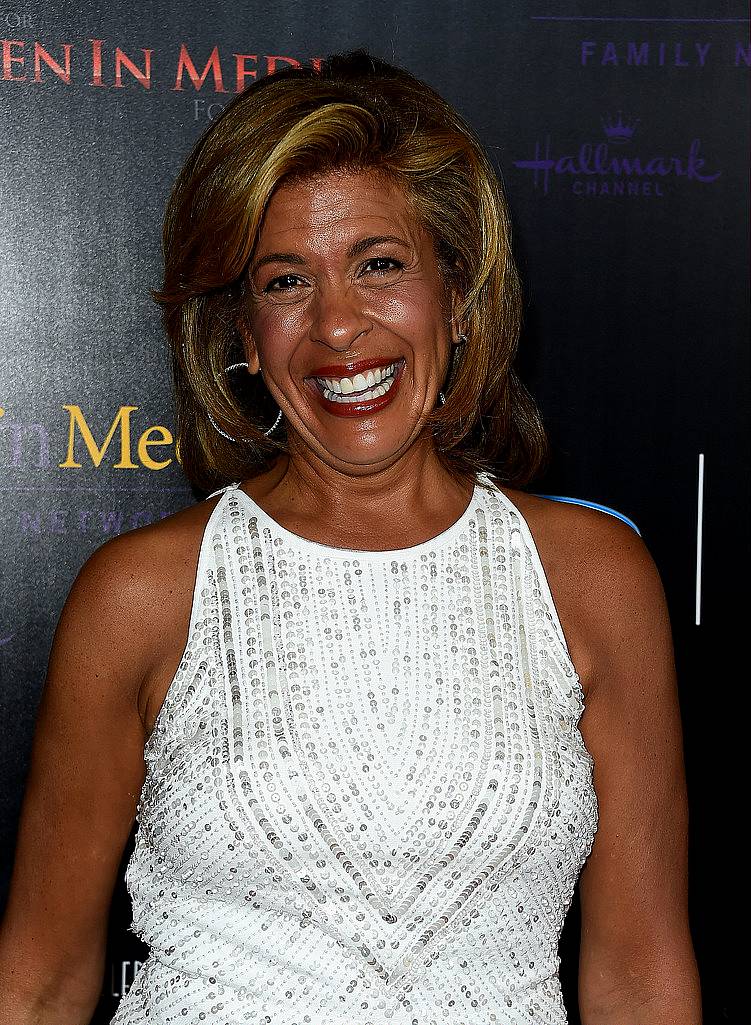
699	525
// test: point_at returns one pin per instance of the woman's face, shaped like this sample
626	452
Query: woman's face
345	285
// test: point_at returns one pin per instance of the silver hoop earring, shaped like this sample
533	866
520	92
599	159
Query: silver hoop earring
461	339
441	398
215	425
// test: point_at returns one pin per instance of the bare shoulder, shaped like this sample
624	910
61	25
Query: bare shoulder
600	571
146	554
589	536
135	593
145	566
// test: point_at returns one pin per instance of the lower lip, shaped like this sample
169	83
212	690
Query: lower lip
349	409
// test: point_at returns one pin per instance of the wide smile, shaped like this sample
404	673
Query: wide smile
358	394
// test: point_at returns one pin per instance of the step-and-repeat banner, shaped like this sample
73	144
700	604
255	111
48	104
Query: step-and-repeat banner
620	132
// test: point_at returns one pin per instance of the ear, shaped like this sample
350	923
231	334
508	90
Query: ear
251	352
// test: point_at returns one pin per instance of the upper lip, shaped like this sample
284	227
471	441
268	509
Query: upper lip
348	369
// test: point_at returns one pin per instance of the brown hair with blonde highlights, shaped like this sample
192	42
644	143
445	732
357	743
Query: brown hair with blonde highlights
358	113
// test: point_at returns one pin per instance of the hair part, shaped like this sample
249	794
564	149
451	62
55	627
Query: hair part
357	113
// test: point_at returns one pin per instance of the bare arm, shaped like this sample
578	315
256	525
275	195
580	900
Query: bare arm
86	773
637	963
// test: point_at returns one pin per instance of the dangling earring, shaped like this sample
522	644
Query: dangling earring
441	397
215	425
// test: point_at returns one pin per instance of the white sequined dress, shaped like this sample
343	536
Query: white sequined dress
367	797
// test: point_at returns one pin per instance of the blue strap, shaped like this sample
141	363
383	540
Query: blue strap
593	505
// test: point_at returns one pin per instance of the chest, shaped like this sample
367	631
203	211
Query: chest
403	703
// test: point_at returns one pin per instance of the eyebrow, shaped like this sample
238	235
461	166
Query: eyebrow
356	250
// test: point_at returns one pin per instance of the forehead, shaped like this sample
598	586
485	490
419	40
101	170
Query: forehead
338	201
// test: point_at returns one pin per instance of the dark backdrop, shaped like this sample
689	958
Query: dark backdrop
621	133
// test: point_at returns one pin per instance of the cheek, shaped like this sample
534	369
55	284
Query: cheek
278	330
412	306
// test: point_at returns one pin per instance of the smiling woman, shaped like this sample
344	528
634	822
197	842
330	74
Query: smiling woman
364	136
339	689
363	283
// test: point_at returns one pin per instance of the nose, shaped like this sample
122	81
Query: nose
337	316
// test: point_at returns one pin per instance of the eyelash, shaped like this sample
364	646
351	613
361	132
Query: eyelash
398	265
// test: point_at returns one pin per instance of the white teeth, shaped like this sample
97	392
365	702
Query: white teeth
348	385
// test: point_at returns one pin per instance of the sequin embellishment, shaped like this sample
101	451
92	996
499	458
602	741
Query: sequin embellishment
367	798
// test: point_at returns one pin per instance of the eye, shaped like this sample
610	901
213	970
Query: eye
386	265
281	280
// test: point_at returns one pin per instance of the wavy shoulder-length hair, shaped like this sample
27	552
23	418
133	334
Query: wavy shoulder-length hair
354	112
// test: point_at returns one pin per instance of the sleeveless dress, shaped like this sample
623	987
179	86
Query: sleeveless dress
367	798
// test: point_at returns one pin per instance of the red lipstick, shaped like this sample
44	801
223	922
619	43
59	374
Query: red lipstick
353	407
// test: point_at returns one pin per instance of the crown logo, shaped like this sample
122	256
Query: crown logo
619	131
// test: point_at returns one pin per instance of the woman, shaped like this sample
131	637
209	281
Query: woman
367	792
